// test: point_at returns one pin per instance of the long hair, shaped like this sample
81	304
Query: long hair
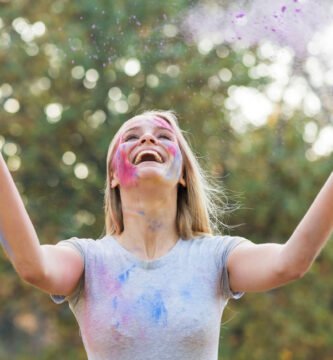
198	208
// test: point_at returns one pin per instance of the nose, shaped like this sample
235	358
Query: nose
148	138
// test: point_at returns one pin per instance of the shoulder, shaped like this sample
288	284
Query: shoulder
215	245
219	246
217	242
83	245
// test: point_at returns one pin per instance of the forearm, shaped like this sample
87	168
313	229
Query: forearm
18	236
312	232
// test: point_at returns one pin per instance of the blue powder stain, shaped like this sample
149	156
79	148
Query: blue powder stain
115	302
154	305
186	294
284	8
159	312
123	277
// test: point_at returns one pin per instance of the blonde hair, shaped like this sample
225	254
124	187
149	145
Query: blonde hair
197	209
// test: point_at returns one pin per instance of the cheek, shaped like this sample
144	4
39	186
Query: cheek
175	169
125	170
173	150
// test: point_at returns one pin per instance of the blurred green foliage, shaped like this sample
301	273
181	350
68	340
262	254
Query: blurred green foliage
82	54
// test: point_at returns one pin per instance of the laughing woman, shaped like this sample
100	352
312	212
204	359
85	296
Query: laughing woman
156	285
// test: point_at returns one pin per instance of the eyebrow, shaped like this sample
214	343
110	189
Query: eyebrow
158	127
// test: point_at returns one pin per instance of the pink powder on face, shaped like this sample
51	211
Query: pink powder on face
163	123
125	170
172	149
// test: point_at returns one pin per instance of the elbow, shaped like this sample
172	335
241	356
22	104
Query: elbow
32	277
288	273
289	267
296	274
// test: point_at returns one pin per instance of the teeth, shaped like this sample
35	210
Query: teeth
149	152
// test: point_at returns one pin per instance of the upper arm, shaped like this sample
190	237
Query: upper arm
259	267
63	268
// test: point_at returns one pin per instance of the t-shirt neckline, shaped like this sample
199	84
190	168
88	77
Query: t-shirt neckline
147	264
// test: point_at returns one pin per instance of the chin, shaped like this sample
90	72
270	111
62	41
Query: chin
151	176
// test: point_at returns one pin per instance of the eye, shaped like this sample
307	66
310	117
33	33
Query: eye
164	136
131	137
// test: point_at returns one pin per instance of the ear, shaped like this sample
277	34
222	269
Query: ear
114	180
182	181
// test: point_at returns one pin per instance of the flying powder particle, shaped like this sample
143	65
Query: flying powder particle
290	23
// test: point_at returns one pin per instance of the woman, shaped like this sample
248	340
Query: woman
156	285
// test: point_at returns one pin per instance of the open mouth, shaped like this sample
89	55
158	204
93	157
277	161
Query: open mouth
147	155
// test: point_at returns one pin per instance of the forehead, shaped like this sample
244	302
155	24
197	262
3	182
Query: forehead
142	121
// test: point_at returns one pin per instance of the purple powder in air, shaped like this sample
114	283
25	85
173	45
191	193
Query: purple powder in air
291	23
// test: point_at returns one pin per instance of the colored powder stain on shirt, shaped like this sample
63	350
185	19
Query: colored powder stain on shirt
186	294
110	283
123	277
115	302
284	8
153	305
240	15
159	312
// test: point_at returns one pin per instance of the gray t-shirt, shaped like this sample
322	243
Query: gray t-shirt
166	309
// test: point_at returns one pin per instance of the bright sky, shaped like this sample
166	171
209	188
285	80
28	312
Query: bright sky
251	106
296	31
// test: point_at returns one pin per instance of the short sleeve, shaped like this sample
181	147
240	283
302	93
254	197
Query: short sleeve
80	245
225	245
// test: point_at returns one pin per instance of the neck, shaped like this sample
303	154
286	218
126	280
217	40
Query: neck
149	221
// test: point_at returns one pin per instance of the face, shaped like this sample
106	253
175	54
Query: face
147	149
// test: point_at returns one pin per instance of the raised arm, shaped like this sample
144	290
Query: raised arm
262	267
54	269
